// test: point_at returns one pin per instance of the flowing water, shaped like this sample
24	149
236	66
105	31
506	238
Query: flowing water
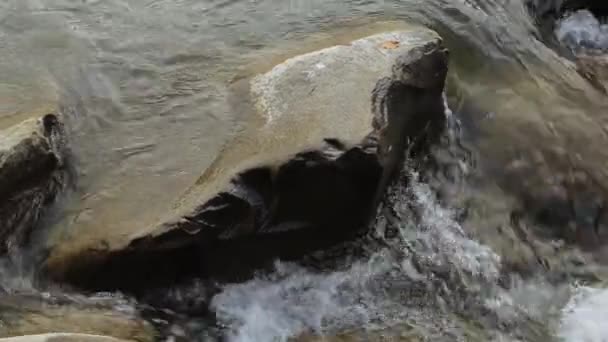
145	84
582	29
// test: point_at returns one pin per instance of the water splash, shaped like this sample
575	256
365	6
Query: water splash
16	273
582	30
292	301
446	240
388	288
585	316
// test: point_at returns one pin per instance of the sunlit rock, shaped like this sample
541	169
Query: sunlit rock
329	130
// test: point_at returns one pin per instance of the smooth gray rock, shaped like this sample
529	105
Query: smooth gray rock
32	173
328	131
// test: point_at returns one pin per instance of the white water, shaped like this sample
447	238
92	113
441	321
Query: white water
15	275
293	299
386	290
582	29
376	293
585	318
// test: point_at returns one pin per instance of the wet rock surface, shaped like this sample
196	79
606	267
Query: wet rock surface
333	128
536	135
62	337
32	174
24	315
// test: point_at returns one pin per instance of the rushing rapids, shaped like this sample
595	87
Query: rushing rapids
498	232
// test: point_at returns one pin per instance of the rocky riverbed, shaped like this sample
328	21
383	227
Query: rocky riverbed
435	177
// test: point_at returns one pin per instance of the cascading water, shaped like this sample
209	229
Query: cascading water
429	281
583	30
421	274
423	278
398	283
584	318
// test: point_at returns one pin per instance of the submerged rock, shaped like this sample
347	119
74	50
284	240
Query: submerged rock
537	132
329	130
32	173
24	314
538	195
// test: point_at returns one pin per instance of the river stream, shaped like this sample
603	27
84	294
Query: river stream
146	86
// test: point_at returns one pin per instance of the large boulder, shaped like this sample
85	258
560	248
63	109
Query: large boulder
328	130
32	173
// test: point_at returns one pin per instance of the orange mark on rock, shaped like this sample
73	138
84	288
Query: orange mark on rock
391	44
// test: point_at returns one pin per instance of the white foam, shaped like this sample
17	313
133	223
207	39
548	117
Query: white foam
289	303
15	276
528	301
581	29
585	317
378	292
447	239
